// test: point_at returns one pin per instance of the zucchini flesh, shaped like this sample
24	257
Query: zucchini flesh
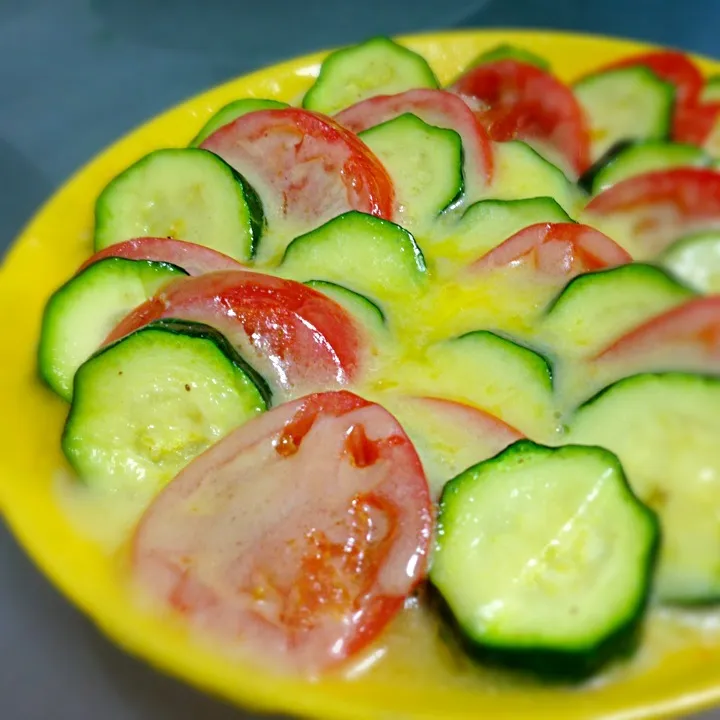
186	194
378	66
232	111
630	158
371	256
630	103
711	91
146	405
487	223
521	172
545	557
664	428
594	308
81	314
363	308
425	164
511	382
695	259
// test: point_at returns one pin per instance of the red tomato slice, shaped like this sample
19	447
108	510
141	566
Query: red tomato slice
695	123
527	103
297	537
194	259
435	107
677	69
306	167
664	205
295	336
556	249
689	332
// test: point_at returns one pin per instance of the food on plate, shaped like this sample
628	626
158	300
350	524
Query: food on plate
411	351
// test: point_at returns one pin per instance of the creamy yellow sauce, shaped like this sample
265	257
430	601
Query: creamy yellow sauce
509	301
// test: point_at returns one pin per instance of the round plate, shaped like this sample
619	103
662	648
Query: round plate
48	252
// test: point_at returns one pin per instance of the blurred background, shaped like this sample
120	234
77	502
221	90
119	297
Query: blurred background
75	75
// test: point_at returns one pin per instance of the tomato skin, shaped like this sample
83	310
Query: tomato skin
694	124
301	558
556	250
294	334
306	165
694	325
668	203
194	259
435	107
526	103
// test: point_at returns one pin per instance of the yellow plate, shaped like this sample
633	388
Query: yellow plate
50	249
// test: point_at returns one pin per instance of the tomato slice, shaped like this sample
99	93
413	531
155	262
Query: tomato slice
194	259
695	124
677	69
306	167
689	332
556	249
435	107
663	205
294	335
526	103
297	537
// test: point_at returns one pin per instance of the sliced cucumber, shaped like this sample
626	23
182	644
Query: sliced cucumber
487	223
361	307
148	404
695	259
665	428
425	164
594	308
361	252
80	315
711	91
232	111
510	52
630	103
507	380
629	158
188	194
521	172
378	66
545	558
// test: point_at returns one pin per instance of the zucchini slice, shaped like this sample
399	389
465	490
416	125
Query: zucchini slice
506	51
232	111
378	66
521	172
711	91
630	103
80	315
695	259
425	164
487	223
366	254
629	158
545	558
594	308
146	405
664	427
508	380
361	307
186	194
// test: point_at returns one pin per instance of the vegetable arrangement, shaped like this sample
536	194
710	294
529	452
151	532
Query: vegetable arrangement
408	338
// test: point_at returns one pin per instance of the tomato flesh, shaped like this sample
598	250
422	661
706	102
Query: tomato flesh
556	249
664	204
526	103
298	536
305	166
690	331
435	107
294	335
194	259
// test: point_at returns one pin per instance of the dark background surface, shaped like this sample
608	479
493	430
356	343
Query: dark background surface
75	75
